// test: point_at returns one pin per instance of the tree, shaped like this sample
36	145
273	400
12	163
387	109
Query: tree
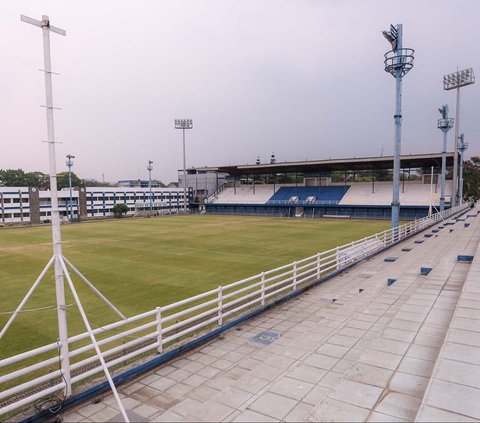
62	180
119	210
471	178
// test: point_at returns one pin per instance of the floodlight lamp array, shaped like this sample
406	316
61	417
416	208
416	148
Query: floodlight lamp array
458	79
399	60
69	161
462	146
150	165
183	123
445	124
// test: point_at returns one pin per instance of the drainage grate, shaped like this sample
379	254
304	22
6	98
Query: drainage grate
266	338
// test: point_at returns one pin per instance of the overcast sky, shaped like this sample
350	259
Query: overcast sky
301	78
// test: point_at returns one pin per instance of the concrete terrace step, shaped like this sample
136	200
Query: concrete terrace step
389	376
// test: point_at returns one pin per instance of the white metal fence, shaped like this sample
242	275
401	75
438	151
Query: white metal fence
37	374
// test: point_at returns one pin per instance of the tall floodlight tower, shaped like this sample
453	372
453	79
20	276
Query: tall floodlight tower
456	80
398	62
462	146
150	168
69	164
184	124
444	124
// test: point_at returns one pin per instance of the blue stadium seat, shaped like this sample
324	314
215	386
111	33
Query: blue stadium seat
331	194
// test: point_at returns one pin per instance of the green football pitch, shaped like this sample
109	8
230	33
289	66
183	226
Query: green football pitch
143	263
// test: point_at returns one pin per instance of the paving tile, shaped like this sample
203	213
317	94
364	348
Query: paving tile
466	353
185	407
202	393
379	417
430	340
356	393
399	405
432	414
248	383
232	397
409	384
307	373
105	414
370	375
252	416
342	366
423	352
291	388
332	350
316	395
168	416
331	410
389	345
381	359
299	413
146	410
346	341
415	366
273	405
458	372
453	397
211	411
162	383
92	408
398	334
321	361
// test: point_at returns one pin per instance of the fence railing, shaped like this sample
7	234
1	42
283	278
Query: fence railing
37	374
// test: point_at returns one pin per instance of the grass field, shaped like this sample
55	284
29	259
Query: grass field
143	263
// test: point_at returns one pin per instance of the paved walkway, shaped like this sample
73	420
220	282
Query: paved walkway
368	356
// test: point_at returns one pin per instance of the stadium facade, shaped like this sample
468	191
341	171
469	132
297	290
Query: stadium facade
312	188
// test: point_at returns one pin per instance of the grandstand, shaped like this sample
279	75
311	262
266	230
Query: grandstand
314	194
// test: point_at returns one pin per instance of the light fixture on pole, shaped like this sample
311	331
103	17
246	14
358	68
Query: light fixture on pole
184	124
452	81
444	124
150	168
398	62
462	146
58	261
69	165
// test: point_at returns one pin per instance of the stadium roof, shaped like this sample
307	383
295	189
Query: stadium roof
411	161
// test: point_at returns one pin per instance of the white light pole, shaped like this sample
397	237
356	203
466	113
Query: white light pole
150	168
56	236
184	124
456	80
444	124
58	260
69	165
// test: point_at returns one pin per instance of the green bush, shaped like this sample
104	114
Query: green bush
119	210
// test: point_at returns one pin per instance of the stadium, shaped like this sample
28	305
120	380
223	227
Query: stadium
339	289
